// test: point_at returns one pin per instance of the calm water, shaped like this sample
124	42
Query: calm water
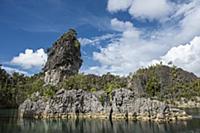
10	124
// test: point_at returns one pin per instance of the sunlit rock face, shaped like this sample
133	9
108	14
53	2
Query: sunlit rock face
120	104
64	58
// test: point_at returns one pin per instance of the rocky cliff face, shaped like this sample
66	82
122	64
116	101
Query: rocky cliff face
163	77
64	58
120	104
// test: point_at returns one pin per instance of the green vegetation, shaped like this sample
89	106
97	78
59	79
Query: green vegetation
93	90
94	83
153	86
77	44
109	87
174	72
5	86
166	82
186	90
156	81
101	99
15	88
48	91
71	35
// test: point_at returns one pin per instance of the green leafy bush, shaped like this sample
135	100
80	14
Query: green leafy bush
153	86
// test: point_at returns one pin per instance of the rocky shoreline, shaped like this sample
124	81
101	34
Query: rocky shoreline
119	104
184	103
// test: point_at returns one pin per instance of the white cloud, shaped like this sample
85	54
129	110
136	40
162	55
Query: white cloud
139	46
142	9
178	23
30	59
150	9
96	70
11	70
121	26
186	56
126	27
181	27
190	24
117	5
86	41
184	8
126	54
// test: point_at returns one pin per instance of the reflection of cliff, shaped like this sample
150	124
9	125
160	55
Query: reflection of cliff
104	126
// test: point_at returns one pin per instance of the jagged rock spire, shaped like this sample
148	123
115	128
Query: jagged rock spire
64	58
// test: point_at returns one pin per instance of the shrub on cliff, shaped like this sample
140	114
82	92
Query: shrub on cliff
164	82
153	86
94	83
15	88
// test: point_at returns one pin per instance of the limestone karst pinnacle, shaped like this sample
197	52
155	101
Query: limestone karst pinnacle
64	58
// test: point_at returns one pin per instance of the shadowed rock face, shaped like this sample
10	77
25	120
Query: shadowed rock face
64	58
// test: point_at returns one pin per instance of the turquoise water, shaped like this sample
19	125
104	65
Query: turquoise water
9	123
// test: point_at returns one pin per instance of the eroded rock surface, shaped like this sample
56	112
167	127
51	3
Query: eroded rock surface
64	58
120	104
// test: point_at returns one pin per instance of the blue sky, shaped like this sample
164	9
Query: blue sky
117	36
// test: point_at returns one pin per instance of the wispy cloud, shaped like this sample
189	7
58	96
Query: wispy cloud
11	70
50	16
98	39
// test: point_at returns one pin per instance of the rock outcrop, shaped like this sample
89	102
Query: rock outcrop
119	104
186	103
165	76
64	58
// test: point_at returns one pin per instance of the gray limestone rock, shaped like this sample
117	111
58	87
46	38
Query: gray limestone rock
121	102
64	58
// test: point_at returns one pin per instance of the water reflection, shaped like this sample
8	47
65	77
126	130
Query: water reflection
14	125
95	126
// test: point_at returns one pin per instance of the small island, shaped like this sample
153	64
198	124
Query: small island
157	93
